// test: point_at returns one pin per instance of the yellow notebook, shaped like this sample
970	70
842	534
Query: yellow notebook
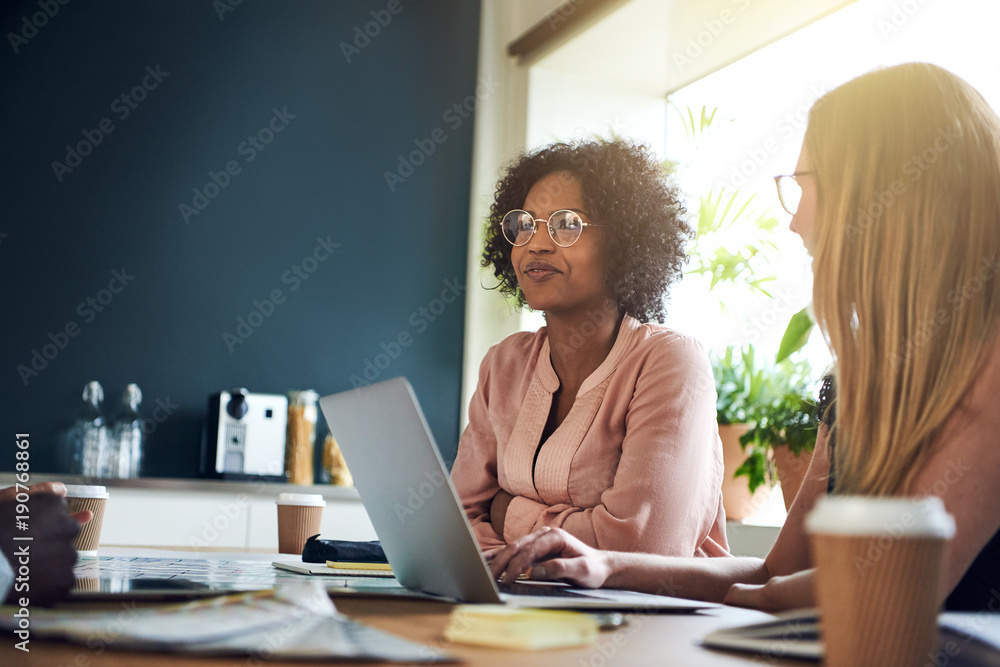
524	629
341	565
323	570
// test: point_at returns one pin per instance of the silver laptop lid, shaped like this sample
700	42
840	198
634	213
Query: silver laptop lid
412	504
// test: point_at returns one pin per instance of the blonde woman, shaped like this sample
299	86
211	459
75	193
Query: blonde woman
896	196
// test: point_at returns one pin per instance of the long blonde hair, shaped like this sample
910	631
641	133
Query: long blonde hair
907	240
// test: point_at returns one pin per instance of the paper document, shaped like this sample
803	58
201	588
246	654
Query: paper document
294	621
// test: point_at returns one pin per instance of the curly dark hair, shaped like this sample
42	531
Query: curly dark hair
626	192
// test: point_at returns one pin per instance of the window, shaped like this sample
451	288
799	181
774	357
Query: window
762	101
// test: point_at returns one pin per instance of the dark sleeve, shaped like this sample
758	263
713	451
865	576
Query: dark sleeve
826	409
979	588
826	413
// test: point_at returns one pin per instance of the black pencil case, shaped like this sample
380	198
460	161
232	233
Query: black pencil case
320	551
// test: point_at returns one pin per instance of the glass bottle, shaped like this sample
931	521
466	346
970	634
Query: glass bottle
90	442
326	460
125	457
301	436
334	467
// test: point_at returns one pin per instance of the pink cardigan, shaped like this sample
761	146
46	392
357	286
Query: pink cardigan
635	466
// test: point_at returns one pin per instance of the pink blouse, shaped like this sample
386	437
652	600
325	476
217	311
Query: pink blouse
636	465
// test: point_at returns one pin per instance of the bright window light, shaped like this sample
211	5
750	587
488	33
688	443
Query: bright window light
763	100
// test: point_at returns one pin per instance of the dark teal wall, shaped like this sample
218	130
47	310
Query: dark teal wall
397	270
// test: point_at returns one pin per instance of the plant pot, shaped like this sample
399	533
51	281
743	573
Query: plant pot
736	497
791	471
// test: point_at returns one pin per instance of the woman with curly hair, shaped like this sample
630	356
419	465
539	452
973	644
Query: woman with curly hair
600	423
896	198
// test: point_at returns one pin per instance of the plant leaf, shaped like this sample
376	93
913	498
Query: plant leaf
796	334
755	468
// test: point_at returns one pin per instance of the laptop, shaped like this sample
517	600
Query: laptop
418	516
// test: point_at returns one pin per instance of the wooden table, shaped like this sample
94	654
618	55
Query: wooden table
648	639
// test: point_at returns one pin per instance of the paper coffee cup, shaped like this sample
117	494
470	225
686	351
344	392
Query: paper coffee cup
879	566
87	585
95	499
299	517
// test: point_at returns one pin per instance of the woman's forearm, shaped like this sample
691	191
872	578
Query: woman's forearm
692	578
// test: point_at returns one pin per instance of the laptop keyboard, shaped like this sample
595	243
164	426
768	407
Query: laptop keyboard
539	591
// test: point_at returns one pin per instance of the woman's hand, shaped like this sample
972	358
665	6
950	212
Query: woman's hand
552	554
56	488
498	510
779	594
52	534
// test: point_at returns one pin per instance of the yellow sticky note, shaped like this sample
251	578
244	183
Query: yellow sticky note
523	629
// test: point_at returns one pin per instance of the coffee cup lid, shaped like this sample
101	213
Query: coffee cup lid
307	499
84	491
899	517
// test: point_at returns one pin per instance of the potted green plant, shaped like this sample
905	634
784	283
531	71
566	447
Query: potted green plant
783	437
767	424
739	387
779	443
734	254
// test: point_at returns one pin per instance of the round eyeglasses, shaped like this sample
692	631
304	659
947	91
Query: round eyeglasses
564	227
789	190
